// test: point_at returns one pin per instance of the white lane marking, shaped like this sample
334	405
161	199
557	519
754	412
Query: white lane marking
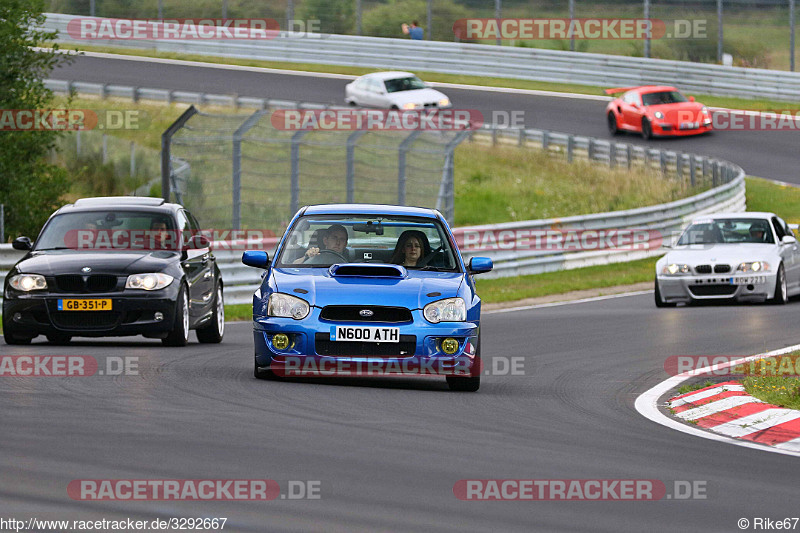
790	445
706	394
647	406
757	422
567	302
716	407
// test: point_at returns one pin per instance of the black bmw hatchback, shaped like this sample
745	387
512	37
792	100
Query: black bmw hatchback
111	267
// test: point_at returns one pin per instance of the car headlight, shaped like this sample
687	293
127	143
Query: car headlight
151	281
444	102
447	310
658	114
409	105
704	110
28	282
754	266
287	306
675	268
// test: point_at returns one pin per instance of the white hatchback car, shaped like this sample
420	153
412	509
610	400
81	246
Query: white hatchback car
394	90
735	256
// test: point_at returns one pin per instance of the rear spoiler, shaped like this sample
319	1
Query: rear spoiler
619	90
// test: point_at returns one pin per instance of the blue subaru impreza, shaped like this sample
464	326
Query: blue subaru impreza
365	290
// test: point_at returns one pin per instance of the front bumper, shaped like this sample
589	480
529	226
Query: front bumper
307	354
665	129
132	313
685	289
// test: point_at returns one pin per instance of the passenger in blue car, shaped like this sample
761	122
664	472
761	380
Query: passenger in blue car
334	240
411	247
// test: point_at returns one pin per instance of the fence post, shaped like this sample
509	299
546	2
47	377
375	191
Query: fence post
662	161
693	169
612	154
105	148
679	165
714	174
629	156
447	185
78	143
352	139
545	140
401	166
590	149
295	202
522	136
166	143
570	147
133	158
236	163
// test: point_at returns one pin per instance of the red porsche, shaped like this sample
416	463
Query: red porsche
656	110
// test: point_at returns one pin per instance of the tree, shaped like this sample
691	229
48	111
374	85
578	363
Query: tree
335	16
30	187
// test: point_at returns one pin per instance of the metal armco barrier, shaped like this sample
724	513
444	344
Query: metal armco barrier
477	60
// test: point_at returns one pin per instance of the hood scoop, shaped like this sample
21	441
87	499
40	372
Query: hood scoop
368	270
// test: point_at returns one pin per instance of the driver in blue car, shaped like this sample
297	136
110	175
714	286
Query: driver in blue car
334	239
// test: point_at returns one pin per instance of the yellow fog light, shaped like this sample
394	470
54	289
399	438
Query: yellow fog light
449	346
280	341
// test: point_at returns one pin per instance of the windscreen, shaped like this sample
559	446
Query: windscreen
410	83
108	229
324	240
663	97
728	231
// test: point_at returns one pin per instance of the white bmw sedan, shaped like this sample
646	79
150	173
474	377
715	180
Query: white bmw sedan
394	90
736	256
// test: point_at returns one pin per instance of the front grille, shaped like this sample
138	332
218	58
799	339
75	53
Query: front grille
325	346
84	284
703	269
352	313
722	269
712	290
85	319
70	283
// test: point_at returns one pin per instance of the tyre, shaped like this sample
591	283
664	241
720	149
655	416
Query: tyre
213	332
179	336
659	301
472	383
59	338
647	131
781	296
612	124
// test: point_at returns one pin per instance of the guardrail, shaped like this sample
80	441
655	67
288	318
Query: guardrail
477	60
661	221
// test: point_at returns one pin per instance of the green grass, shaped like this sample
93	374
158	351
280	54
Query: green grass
695	386
776	390
238	312
764	195
505	183
714	101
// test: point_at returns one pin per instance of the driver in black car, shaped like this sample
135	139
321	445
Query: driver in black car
334	239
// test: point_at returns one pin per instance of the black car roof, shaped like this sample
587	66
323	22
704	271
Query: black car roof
132	203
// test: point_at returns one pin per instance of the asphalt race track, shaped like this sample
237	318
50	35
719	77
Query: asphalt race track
768	154
388	452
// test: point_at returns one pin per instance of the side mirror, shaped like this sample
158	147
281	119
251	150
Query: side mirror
480	265
788	239
22	243
199	241
256	258
691	98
